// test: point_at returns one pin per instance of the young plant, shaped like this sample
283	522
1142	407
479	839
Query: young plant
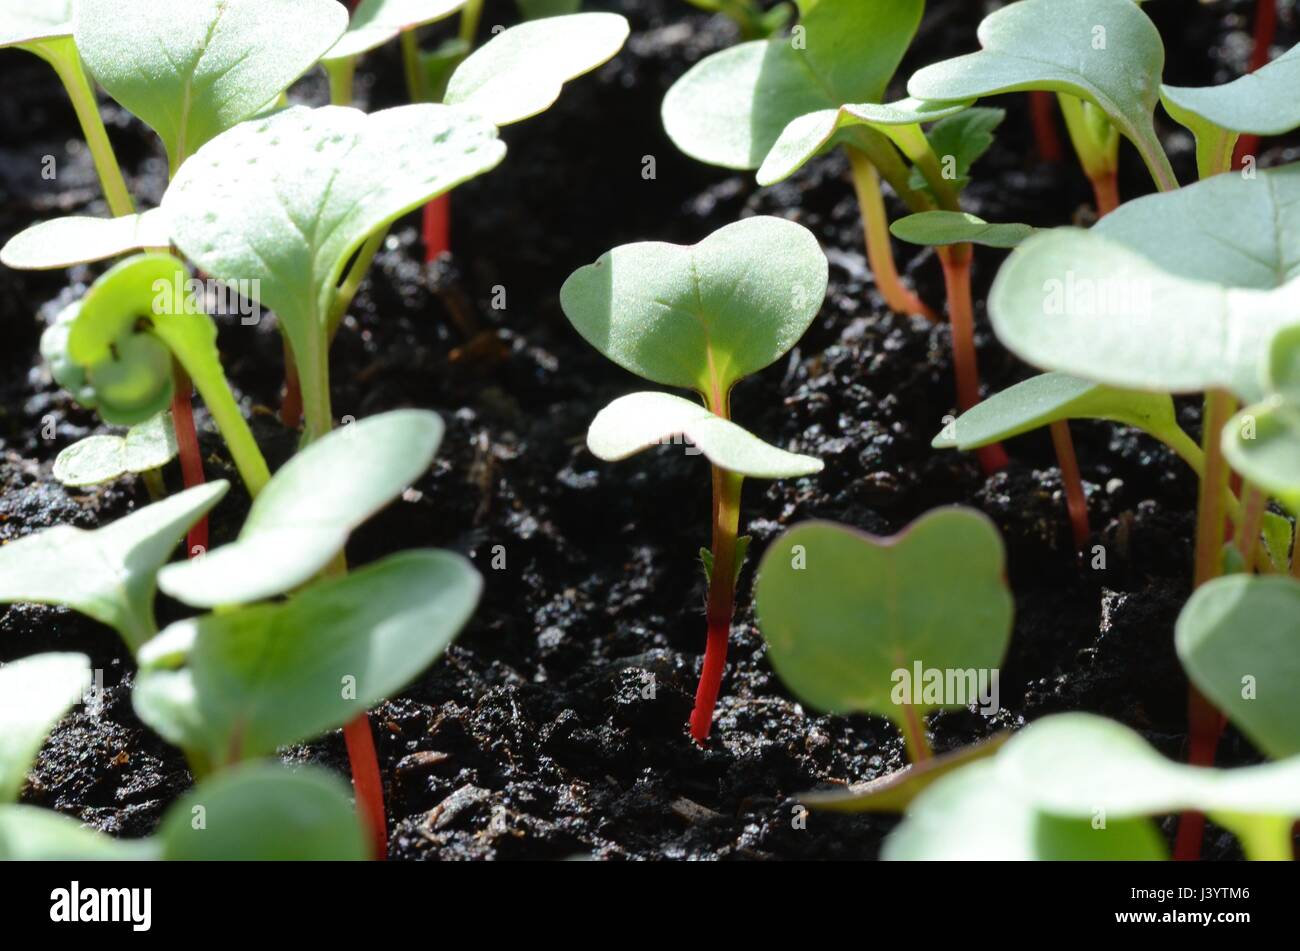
1102	57
1173	293
731	108
1228	119
856	624
45	29
144	450
701	318
754	22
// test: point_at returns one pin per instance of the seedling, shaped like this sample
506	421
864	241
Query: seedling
701	318
1263	441
45	30
145	449
1102	57
754	22
109	573
845	614
731	108
1259	103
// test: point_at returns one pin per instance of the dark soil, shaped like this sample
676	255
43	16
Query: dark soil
536	735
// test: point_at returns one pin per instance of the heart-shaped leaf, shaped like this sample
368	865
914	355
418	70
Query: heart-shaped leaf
271	674
1107	52
970	816
260	812
63	242
287	200
1260	103
942	228
108	573
1078	765
520	71
302	519
1236	639
195	69
810	134
1084	304
701	316
730	108
1045	399
96	459
640	420
28	834
375	22
35	693
848	618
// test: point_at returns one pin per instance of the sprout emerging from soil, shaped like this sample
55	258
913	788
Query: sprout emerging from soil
701	318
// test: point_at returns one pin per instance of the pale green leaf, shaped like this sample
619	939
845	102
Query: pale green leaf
302	519
843	612
1260	103
192	70
375	22
108	573
30	21
701	316
28	834
521	71
638	421
63	242
941	228
264	676
35	693
102	458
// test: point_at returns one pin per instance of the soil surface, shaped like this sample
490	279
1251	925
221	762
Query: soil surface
536	736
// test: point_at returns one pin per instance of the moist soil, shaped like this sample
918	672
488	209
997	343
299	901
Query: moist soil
555	725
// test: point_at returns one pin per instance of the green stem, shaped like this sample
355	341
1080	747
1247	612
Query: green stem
153	481
356	273
1262	838
914	738
1214	482
340	73
880	252
67	64
469	17
416	87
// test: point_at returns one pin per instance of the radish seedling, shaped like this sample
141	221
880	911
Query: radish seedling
145	449
110	573
1102	57
701	318
849	618
731	108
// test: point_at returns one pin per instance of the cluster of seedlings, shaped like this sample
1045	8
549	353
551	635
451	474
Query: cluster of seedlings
1191	290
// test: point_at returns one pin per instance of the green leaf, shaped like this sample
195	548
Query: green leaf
895	791
638	421
730	108
302	519
195	69
63	242
108	573
1078	765
35	693
1045	399
960	140
970	815
96	459
701	316
1278	532
286	201
536	9
375	22
742	550
810	134
1084	304
54	351
1107	52
941	228
846	615
264	676
28	834
520	71
1262	442
22	21
1259	103
260	812
1236	639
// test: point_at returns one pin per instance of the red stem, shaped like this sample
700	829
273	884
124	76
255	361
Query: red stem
1106	190
365	780
722	593
187	444
291	401
1265	31
1043	111
706	695
437	227
1075	498
1205	726
961	314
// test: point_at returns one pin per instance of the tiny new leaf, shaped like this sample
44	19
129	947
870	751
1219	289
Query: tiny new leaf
942	228
102	458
